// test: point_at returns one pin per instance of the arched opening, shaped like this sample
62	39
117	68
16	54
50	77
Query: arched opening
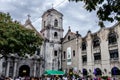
55	34
64	55
83	45
115	71
84	72
97	72
68	37
112	38
96	42
24	70
56	23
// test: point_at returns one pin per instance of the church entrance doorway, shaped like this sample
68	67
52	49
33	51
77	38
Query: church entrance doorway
24	70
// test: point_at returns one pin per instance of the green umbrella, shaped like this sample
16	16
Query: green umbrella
53	72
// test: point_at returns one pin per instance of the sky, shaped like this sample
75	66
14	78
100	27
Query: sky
74	14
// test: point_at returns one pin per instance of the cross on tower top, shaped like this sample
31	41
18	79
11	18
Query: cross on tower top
28	20
69	28
52	5
28	16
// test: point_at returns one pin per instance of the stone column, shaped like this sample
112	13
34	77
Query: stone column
34	68
40	69
15	67
8	67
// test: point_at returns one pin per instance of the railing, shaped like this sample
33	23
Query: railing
96	49
84	52
112	45
114	60
84	63
97	62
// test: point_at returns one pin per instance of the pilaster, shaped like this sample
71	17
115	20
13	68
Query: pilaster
8	67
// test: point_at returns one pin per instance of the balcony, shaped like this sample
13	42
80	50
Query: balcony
114	45
97	62
84	52
114	60
84	63
63	60
96	49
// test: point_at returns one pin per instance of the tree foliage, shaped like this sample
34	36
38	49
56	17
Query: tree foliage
15	38
107	10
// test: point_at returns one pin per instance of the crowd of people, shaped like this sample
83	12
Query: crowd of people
56	77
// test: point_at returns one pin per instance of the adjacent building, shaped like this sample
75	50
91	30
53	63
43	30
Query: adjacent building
95	54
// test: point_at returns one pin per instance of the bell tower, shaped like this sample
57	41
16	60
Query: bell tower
52	25
52	31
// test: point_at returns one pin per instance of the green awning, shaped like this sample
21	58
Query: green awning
53	72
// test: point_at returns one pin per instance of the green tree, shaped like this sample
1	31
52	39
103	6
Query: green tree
15	38
107	10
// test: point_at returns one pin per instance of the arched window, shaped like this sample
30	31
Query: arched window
115	71
96	42
55	53
55	34
84	59
97	56
84	45
112	38
4	64
56	23
114	54
73	53
64	54
38	51
68	37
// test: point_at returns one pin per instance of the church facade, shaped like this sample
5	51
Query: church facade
95	54
14	65
46	57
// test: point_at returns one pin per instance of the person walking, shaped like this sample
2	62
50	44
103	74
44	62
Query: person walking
108	78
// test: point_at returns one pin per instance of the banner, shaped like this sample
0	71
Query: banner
69	56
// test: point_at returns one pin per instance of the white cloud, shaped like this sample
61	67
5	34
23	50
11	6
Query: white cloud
74	13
